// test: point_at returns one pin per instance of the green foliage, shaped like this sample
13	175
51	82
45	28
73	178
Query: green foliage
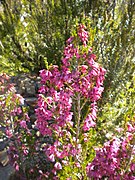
33	34
114	44
34	30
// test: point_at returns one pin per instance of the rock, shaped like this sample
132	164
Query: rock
7	172
3	144
29	87
33	118
26	84
3	138
2	129
4	160
31	101
21	88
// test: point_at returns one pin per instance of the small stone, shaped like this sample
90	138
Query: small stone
33	118
7	173
4	160
31	101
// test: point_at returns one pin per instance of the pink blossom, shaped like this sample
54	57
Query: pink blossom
70	40
88	123
77	164
58	166
51	158
84	68
23	124
9	133
83	34
132	167
130	127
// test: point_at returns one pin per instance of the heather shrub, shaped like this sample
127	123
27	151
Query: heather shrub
67	112
14	118
24	144
116	159
63	143
67	108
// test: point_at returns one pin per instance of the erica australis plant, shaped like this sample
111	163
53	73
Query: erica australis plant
67	106
14	119
116	159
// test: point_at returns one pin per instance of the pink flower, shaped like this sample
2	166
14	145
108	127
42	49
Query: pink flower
9	133
83	34
70	40
51	158
77	164
84	68
130	127
23	124
58	166
132	167
119	129
16	166
88	123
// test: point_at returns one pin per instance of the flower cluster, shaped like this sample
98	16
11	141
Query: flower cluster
67	103
115	159
83	34
14	119
60	86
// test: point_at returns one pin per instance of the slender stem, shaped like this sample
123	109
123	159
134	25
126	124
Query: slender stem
85	101
79	115
17	146
129	161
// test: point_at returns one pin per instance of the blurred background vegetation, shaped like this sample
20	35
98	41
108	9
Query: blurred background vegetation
33	33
